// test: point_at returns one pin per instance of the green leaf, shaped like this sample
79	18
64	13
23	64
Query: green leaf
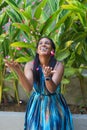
49	21
39	9
78	37
22	27
14	16
60	22
71	60
82	19
22	44
80	59
73	8
3	19
62	54
69	71
1	1
65	81
2	37
23	59
10	77
6	89
79	48
17	31
27	13
3	4
79	9
61	2
12	4
53	5
68	43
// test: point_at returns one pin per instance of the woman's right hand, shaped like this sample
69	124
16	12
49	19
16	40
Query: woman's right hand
15	66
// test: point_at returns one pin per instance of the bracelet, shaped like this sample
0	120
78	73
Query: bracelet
47	78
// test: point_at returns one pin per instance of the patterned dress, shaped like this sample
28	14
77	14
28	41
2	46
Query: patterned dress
46	111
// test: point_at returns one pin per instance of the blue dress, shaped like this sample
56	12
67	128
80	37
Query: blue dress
46	111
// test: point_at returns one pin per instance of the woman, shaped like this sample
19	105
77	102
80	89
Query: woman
47	108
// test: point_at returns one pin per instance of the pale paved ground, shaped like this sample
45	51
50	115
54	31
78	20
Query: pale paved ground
15	121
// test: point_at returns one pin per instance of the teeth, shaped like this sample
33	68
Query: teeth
43	49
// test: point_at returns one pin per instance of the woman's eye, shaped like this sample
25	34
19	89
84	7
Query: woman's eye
40	43
47	43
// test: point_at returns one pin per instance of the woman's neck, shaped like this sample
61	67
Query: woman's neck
44	60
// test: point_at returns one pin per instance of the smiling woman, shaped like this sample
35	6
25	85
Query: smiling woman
47	108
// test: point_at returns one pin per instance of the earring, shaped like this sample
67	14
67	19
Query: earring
52	53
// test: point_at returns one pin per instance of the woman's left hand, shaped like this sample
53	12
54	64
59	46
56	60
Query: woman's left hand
48	71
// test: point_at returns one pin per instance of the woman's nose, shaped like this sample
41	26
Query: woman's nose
43	43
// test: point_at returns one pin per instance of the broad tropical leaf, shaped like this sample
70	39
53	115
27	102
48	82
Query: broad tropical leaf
24	59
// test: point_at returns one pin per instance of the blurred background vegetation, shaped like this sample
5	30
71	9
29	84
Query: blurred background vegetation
23	22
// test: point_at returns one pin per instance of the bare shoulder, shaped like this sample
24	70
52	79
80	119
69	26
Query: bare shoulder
28	71
59	65
29	65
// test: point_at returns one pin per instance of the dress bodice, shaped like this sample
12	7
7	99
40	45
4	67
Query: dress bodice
41	89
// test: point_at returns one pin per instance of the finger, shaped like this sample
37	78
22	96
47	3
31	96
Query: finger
53	71
49	69
6	62
12	60
43	66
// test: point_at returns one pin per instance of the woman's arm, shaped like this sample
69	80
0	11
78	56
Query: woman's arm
26	77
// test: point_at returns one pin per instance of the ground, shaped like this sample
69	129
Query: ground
22	108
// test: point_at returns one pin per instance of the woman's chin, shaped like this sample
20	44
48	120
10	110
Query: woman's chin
44	53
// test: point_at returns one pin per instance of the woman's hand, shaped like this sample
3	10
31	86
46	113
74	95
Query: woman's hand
47	70
26	79
13	65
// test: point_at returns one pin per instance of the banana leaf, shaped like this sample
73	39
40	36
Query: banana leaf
62	54
14	16
23	59
39	9
27	13
13	4
49	21
60	22
22	27
65	81
23	44
70	71
71	60
2	37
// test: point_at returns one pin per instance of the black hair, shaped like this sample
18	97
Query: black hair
52	62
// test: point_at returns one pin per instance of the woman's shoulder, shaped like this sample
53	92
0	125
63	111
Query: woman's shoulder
59	64
29	64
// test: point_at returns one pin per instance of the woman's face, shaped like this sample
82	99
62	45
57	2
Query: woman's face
44	47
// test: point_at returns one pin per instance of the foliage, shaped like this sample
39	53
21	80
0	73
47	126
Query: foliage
62	20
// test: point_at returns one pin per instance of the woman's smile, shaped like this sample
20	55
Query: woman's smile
44	46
